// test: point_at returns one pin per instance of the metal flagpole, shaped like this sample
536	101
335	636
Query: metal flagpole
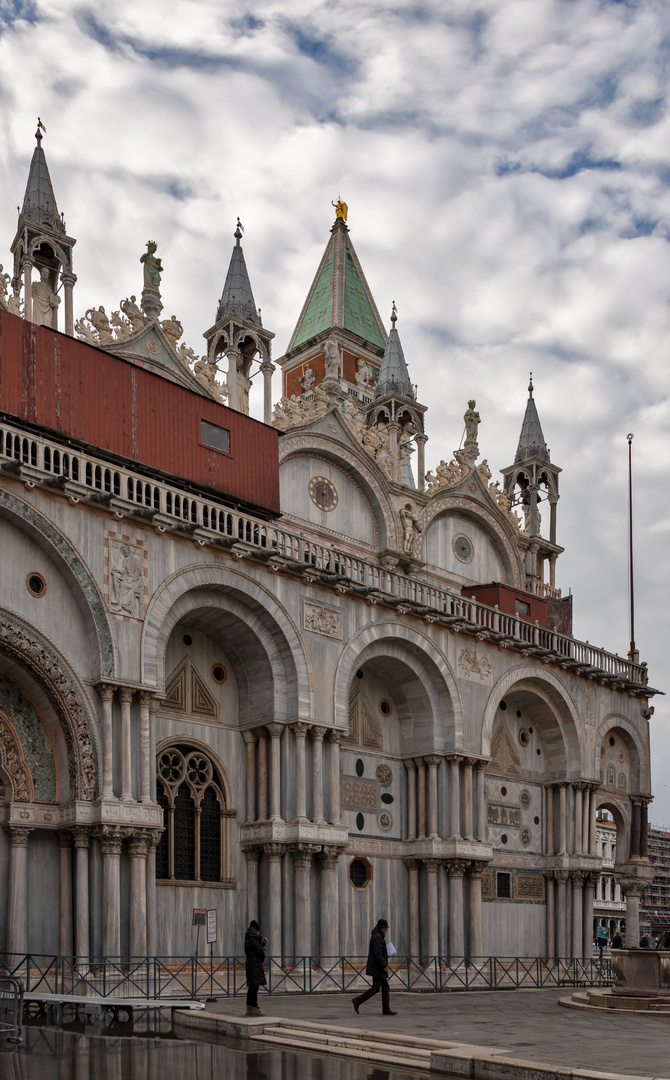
632	651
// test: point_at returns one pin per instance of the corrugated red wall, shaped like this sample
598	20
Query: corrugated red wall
69	387
505	596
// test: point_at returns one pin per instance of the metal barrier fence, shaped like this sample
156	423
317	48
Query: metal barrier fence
193	977
11	1008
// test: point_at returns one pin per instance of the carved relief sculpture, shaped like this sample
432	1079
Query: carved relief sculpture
126	579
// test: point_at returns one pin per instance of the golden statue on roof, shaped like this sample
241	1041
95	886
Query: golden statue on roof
341	209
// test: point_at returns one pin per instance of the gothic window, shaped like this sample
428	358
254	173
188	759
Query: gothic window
190	792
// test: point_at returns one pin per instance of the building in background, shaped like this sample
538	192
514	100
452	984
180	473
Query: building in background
655	908
609	903
282	669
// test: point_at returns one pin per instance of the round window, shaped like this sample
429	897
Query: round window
385	707
360	873
462	548
219	673
524	737
35	584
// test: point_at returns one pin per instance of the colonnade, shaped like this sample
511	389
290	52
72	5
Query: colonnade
570	818
463	793
463	936
267	792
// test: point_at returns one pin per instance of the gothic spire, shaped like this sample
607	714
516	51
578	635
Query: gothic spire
531	440
237	298
394	376
39	201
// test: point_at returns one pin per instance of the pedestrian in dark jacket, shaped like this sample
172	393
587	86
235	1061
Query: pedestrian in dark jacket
255	954
377	967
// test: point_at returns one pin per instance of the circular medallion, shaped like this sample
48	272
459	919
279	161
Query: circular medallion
153	347
525	836
384	775
322	493
332	426
472	486
525	798
385	820
462	548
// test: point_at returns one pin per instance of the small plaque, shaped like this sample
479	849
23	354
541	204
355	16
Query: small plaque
322	620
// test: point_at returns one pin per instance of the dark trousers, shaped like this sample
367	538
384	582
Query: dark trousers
377	985
252	996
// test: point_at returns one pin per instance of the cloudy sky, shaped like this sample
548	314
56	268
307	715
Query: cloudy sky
506	167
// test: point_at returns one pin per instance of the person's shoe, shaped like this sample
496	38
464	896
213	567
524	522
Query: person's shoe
256	1012
250	1011
354	1002
388	1012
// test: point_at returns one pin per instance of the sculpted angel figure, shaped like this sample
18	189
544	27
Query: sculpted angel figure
173	330
484	470
45	301
98	319
341	209
431	482
132	312
307	380
332	359
362	372
152	268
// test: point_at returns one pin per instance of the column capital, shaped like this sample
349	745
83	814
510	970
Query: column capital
273	851
154	836
457	867
579	785
412	864
267	367
317	733
432	865
419	762
250	735
591	880
107	691
252	854
146	696
65	838
454	758
139	844
334	736
410	764
18	835
126	695
578	878
480	765
111	839
632	886
302	855
300	729
82	836
561	876
476	870
275	729
330	856
432	759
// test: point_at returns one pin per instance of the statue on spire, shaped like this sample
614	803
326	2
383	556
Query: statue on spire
472	421
341	209
151	293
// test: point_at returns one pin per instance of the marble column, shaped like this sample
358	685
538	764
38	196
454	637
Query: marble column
456	909
68	281
551	914
433	943
66	913
411	798
234	356
27	267
577	912
562	820
335	812
570	819
250	741
252	856
589	887
107	692
152	936
549	814
302	863
455	785
274	853
17	906
317	735
633	890
592	821
467	799
82	843
561	914
579	817
126	697
329	910
300	732
266	369
275	732
111	842
420	441
476	949
644	828
145	746
432	761
138	847
413	908
421	793
481	801
262	775
586	818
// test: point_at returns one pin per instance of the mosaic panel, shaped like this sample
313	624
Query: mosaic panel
33	737
357	794
529	886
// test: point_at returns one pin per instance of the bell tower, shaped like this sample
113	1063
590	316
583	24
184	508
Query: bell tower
41	244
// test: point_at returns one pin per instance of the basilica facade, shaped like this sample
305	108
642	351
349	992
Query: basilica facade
283	669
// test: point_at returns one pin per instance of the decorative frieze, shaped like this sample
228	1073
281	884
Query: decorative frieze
359	794
322	620
529	887
475	666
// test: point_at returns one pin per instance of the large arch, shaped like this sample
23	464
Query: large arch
76	572
406	645
554	694
368	476
481	516
263	628
639	750
68	697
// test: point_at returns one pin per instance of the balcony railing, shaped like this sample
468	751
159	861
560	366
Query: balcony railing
127	492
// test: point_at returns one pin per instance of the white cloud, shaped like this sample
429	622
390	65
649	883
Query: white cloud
505	164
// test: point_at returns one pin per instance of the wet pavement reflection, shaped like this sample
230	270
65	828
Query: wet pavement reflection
54	1054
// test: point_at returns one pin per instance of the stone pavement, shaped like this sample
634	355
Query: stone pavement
528	1025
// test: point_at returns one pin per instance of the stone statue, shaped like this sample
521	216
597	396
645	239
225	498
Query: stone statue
472	421
362	372
307	380
243	388
132	312
45	301
173	330
484	470
126	583
410	525
332	359
341	209
98	319
152	269
4	283
186	355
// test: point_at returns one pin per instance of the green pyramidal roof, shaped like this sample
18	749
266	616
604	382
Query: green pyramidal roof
339	296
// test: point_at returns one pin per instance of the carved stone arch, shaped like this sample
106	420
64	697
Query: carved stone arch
14	764
621	811
368	475
555	694
499	531
278	637
75	570
242	335
417	651
640	762
221	337
67	696
59	252
183	739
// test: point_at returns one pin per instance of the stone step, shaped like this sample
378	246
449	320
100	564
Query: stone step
353	1049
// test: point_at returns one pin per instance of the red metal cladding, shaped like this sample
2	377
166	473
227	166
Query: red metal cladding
512	601
69	387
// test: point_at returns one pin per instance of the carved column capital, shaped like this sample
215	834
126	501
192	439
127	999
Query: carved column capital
419	762
252	854
302	855
107	691
154	836
267	367
432	759
412	864
561	875
111	839
317	733
334	736
65	838
18	835
273	851
578	878
274	729
250	735
146	697
300	729
330	856
126	695
82	836
475	870
410	764
579	785
457	867
432	865
451	758
138	845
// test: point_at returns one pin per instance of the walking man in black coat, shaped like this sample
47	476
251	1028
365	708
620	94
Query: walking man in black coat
255	954
377	967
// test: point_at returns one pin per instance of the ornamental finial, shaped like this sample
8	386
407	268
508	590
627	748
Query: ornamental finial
341	209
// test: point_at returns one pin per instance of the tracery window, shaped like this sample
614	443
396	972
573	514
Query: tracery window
193	845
